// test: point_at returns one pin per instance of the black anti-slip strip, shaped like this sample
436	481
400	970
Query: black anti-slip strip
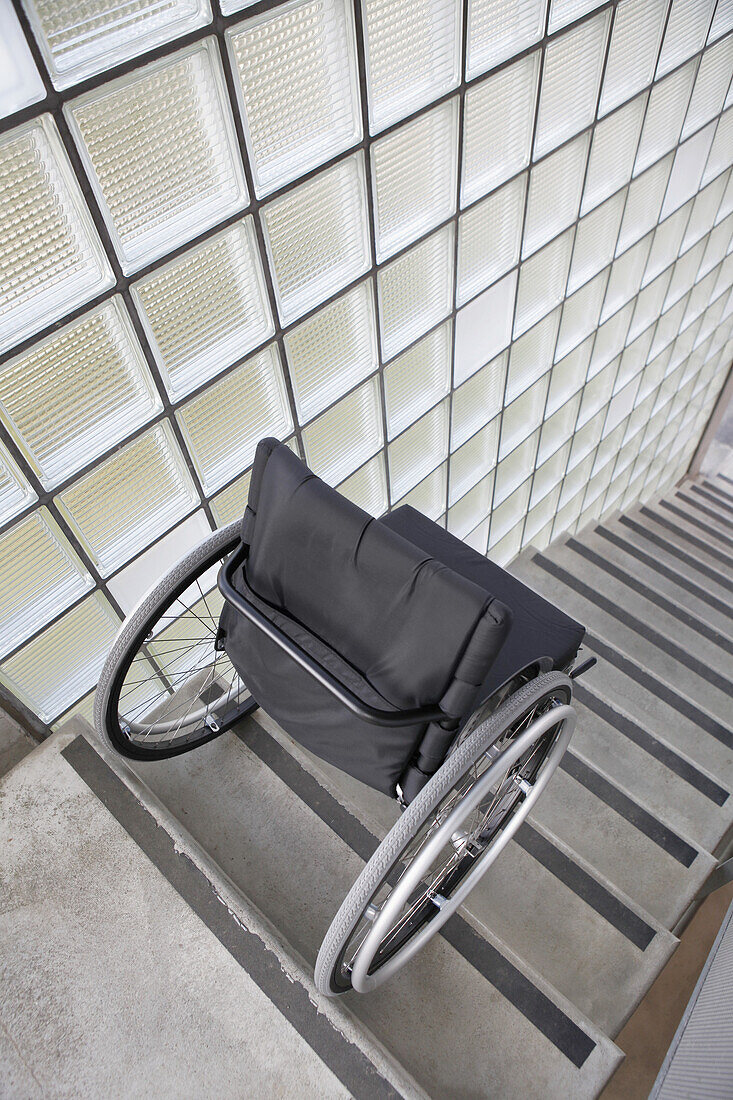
342	1057
691	518
723	477
719	499
662	691
635	814
675	550
720	492
561	1031
653	637
688	536
662	602
651	745
706	511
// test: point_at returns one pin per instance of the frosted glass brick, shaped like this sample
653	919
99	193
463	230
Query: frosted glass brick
471	461
224	424
683	274
472	509
705	211
476	539
570	82
51	259
131	583
206	309
726	202
687	170
317	238
508	515
412	55
161	151
497	127
686	32
586	439
416	380
558	429
563	12
522	417
531	355
63	663
415	291
668	327
717	247
228	7
40	576
542	281
549	475
345	436
666	243
15	492
367	488
576	481
666	112
711	84
722	20
484	326
632	56
414	178
230	503
20	83
505	549
580	314
625	277
61	425
595	241
418	451
489	237
332	350
612	153
497	30
644	203
596	394
719	157
429	496
539	521
515	469
478	400
131	499
610	339
297	88
555	186
568	375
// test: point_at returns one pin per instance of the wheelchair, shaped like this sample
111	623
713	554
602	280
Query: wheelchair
386	647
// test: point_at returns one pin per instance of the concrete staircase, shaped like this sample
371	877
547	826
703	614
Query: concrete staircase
251	843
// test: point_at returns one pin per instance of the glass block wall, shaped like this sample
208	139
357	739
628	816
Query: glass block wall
470	254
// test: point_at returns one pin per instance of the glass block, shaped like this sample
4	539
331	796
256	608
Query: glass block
230	503
711	84
508	515
549	475
666	243
497	30
414	178
538	526
345	436
686	32
554	194
580	314
726	202
531	355
586	439
488	238
130	585
418	451
610	339
50	256
612	152
224	424
513	470
719	157
570	82
637	31
597	393
558	429
484	327
63	663
15	492
161	151
576	481
625	277
497	127
522	417
429	496
706	206
687	170
40	576
297	87
332	350
412	56
542	281
416	380
415	291
666	112
205	309
563	12
505	549
649	304
633	359
70	425
722	20
471	461
595	241
317	237
131	499
683	274
476	539
478	399
472	509
20	84
644	203
367	488
568	375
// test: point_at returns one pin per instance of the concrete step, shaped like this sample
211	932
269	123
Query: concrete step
677	546
721	486
703	512
710	495
131	967
693	526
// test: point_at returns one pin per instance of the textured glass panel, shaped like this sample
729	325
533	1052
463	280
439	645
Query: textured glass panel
476	401
63	663
418	451
643	204
531	355
84	37
15	492
413	382
471	461
689	162
131	499
719	158
230	503
415	291
368	487
504	550
595	241
709	206
563	12
515	469
20	84
412	55
472	509
62	425
549	475
497	127
316	237
484	326
542	281
429	496
568	375
206	309
497	30
488	238
224	424
711	84
683	274
297	88
580	314
40	575
625	277
717	247
666	112
539	521
722	20
570	81
522	417
612	153
476	539
333	350
50	257
686	32
161	152
666	243
555	185
414	174
558	428
637	30
508	516
346	435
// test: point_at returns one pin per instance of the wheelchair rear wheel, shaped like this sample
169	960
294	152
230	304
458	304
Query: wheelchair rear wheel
448	836
164	688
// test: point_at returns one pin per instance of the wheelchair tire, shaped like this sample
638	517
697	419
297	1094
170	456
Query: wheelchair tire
178	692
528	708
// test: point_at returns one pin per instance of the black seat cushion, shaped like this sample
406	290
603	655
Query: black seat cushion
405	628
